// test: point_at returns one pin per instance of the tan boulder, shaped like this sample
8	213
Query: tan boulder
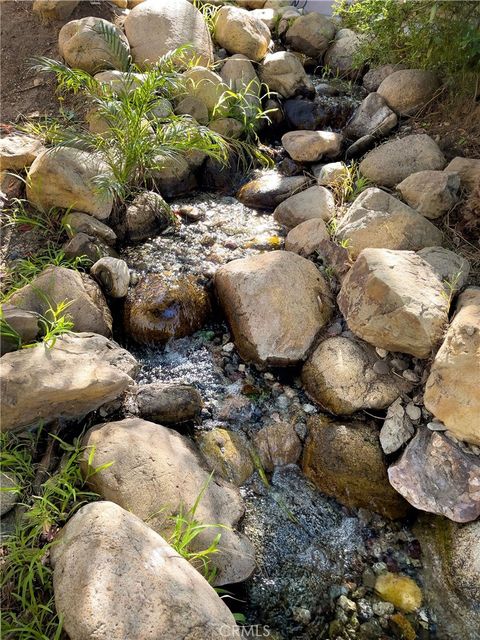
406	90
311	204
276	304
372	117
193	106
18	151
227	127
345	461
54	9
396	300
468	169
79	374
63	177
120	82
307	237
78	222
310	34
311	146
133	584
284	73
395	160
239	74
85	44
341	54
374	77
377	219
452	388
207	86
157	473
88	308
431	193
154	28
237	31
277	444
113	276
341	376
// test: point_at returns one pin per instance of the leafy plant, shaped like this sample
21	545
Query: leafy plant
28	609
122	59
431	34
186	528
209	12
348	184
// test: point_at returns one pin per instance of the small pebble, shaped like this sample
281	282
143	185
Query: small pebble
413	412
379	567
410	375
382	353
309	408
346	604
382	609
381	368
399	364
241	367
229	347
301	615
435	425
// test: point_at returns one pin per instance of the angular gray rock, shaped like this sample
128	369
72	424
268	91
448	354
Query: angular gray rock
340	376
377	219
78	222
468	169
395	160
397	428
276	304
372	117
133	584
158	473
431	193
434	474
79	374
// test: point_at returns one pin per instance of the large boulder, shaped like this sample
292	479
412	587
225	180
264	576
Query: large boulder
207	86
314	202
406	90
340	55
133	583
431	193
398	301
276	303
284	73
468	169
372	117
305	114
79	374
311	146
374	77
310	34
237	31
24	325
345	461
148	214
64	177
393	161
434	474
86	44
377	219
270	189
451	566
155	28
157	309
157	473
54	9
87	305
76	222
239	74
451	391
18	151
341	375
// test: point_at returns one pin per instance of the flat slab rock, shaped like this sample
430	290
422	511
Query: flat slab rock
157	473
116	579
435	475
79	374
270	189
276	303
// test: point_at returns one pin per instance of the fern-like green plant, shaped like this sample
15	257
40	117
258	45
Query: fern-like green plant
118	51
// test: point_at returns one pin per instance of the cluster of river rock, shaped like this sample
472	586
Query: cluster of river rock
348	374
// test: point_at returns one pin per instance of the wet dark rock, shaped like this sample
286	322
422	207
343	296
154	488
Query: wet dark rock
305	114
168	403
345	461
218	177
157	309
148	214
270	189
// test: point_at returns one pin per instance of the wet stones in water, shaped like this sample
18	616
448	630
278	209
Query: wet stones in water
228	453
113	276
305	114
168	403
157	310
270	189
345	461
